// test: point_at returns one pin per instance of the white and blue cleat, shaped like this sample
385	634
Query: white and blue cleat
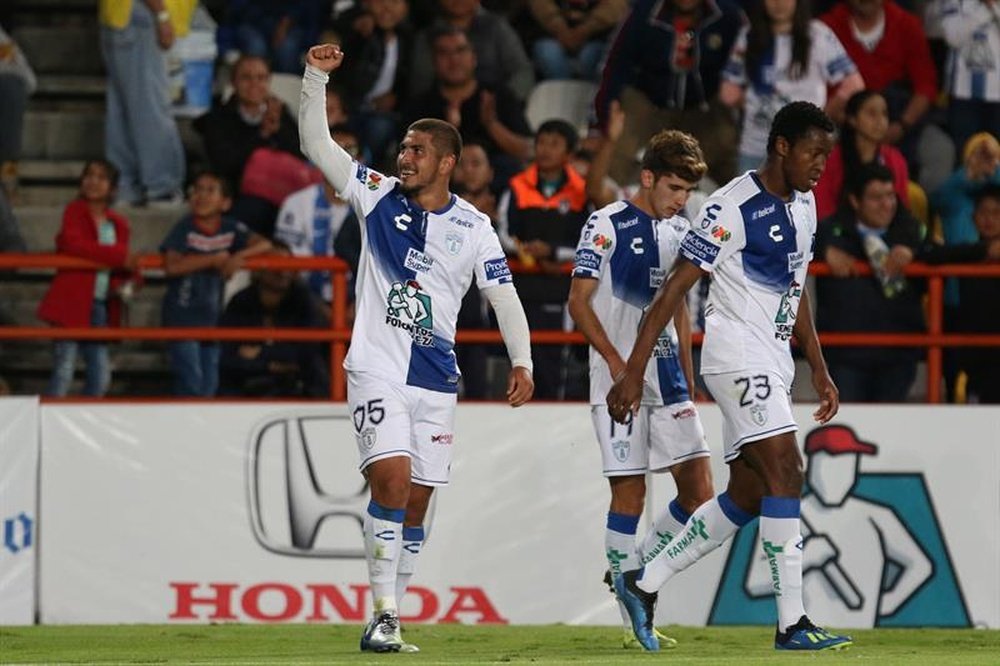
641	606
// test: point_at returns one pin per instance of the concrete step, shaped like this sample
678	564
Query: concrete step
61	49
61	171
73	86
40	224
62	135
54	12
44	195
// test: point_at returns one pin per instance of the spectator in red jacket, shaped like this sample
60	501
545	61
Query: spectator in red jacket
889	46
84	298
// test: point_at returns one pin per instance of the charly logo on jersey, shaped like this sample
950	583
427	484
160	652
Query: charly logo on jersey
656	276
784	319
418	261
409	308
454	242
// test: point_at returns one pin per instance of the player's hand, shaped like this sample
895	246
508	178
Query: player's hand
165	34
520	386
326	57
829	396
899	257
624	397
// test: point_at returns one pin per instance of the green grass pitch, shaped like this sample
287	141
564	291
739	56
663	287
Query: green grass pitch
457	644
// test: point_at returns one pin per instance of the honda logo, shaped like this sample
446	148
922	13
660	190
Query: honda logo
306	497
302	476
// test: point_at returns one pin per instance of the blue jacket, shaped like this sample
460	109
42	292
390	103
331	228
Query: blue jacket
642	54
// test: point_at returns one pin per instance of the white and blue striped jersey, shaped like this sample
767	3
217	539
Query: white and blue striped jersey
630	254
758	248
772	87
972	30
415	267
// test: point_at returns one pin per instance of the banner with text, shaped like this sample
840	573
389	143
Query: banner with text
18	517
237	512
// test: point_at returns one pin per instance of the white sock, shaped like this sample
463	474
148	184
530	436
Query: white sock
708	528
619	548
667	525
383	531
782	542
413	541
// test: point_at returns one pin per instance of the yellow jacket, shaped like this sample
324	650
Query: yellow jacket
116	14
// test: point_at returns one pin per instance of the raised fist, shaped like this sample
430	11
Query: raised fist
326	57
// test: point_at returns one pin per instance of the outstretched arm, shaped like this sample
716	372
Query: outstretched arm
314	135
805	335
514	329
626	393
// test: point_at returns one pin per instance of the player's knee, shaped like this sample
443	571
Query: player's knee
628	495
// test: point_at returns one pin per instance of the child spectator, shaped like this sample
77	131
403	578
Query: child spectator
84	298
862	141
200	252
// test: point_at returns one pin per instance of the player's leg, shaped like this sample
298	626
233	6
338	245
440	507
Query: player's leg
381	423
413	536
778	464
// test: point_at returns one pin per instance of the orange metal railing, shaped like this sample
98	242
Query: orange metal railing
339	334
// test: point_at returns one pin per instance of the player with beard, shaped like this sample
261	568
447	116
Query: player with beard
421	248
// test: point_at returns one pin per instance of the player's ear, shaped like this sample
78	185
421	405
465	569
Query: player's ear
782	147
647	179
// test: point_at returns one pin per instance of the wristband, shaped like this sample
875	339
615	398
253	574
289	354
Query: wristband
163	16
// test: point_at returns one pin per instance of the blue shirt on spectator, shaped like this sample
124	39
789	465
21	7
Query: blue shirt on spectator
195	299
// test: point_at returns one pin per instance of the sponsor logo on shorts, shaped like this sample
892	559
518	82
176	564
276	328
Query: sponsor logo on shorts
497	269
409	308
444	438
699	249
686	413
418	261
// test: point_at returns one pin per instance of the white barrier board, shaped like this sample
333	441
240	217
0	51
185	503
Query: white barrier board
18	517
237	512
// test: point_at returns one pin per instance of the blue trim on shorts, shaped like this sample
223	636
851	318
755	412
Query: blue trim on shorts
623	524
779	507
431	481
384	454
757	436
699	453
376	510
626	472
735	514
413	533
678	512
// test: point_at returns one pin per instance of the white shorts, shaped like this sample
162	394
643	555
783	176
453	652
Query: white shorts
755	405
657	438
398	420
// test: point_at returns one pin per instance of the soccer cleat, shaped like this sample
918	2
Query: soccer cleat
804	635
382	635
640	606
629	641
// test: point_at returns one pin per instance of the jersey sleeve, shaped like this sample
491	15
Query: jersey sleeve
833	58
366	187
491	263
597	244
716	234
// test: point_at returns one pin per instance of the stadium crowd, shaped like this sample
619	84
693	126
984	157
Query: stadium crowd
915	174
